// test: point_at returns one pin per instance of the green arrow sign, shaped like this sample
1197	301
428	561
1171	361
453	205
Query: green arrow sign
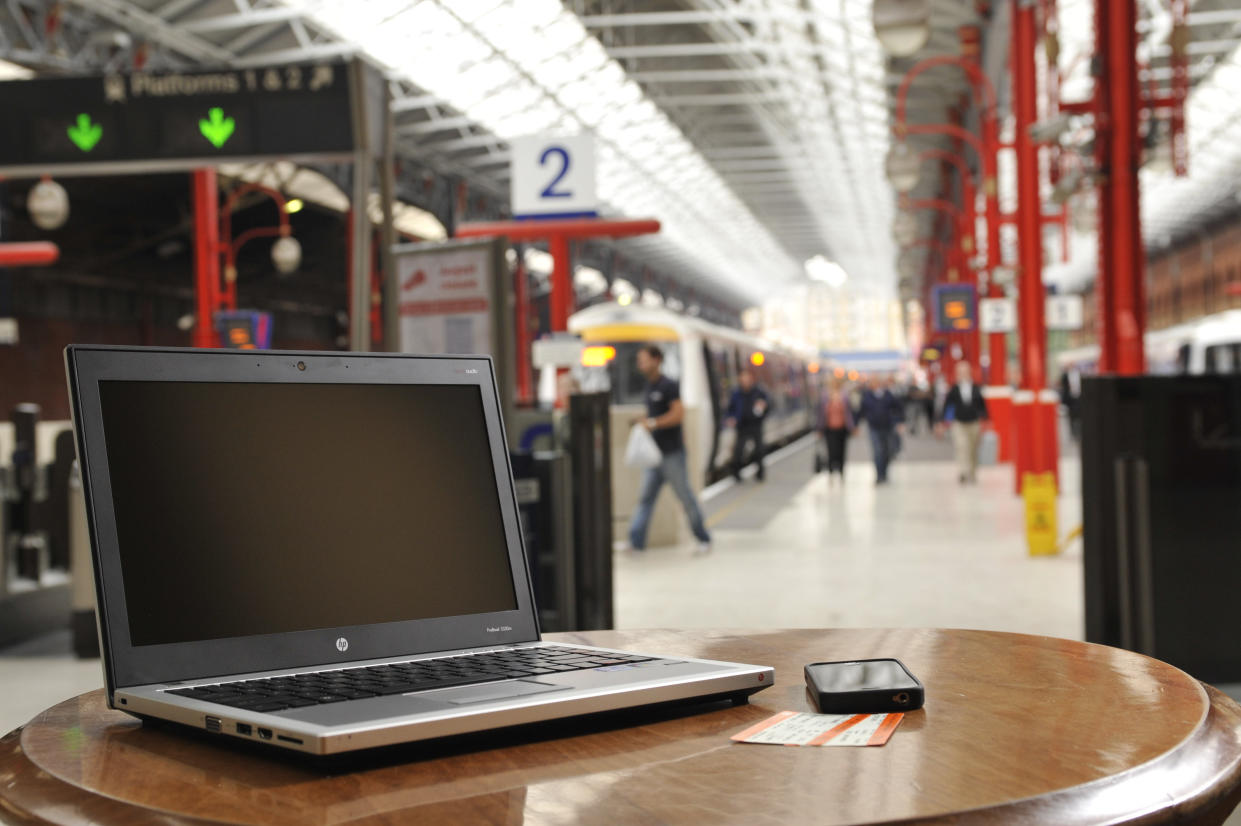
85	134
216	128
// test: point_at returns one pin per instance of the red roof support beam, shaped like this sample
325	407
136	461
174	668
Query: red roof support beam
558	233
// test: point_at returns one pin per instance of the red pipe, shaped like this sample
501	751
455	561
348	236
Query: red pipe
229	298
28	254
206	255
1129	287
984	92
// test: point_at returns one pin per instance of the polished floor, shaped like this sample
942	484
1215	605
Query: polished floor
800	550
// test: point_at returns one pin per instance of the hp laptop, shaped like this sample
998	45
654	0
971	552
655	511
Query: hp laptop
321	551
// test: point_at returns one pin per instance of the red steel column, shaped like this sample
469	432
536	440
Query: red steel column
206	255
1129	280
562	282
997	344
521	296
1105	318
1036	454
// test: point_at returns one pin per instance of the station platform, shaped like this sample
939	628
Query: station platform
799	550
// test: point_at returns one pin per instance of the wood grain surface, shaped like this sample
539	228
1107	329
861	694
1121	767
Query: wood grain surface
1016	729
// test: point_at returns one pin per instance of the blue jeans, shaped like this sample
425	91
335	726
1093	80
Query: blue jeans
881	446
672	469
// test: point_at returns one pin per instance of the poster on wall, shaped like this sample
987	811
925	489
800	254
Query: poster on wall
445	298
455	297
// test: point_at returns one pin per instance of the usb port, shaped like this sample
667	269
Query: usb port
288	739
213	724
244	728
265	733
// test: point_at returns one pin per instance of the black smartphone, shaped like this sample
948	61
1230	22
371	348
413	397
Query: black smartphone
858	686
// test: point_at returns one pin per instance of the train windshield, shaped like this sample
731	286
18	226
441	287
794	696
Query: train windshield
614	368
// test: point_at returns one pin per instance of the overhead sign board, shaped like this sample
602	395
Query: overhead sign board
956	308
553	176
1063	312
997	315
147	121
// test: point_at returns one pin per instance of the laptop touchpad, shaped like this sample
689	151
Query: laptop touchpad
494	691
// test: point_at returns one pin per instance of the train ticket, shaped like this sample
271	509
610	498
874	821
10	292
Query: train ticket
795	728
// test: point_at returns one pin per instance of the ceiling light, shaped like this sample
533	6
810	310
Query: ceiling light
827	272
903	167
902	26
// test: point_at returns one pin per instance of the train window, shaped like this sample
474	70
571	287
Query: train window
1222	358
1182	358
723	373
621	377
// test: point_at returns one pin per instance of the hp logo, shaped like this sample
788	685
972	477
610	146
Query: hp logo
342	644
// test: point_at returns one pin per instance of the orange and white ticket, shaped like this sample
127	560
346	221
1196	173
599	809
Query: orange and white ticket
794	728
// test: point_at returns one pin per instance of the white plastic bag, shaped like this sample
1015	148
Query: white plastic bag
642	451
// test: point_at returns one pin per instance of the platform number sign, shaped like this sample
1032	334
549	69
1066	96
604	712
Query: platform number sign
553	176
1063	312
997	315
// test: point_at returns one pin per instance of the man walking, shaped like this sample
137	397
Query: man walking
746	410
1071	398
884	418
966	409
664	414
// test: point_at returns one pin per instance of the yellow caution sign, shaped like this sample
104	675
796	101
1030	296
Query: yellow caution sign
1039	491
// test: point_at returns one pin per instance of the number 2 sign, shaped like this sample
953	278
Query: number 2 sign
553	176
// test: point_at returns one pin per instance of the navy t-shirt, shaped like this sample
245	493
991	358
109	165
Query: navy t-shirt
659	397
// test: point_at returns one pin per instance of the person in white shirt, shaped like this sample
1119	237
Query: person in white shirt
966	410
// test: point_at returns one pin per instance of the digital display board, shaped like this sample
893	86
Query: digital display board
956	308
244	329
163	120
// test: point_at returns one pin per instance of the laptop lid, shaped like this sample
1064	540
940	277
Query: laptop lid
253	511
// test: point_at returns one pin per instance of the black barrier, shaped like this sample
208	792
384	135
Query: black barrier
544	505
590	448
1161	481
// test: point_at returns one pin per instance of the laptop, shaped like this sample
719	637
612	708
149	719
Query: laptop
321	551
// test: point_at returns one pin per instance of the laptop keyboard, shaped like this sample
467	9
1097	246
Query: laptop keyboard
299	690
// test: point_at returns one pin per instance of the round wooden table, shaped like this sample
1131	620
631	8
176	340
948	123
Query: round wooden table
1016	729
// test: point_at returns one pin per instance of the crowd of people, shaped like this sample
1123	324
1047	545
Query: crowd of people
891	410
888	409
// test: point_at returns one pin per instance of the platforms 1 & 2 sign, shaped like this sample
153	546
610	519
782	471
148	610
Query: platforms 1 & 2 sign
147	121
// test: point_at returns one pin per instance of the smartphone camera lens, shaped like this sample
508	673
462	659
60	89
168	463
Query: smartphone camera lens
901	699
301	365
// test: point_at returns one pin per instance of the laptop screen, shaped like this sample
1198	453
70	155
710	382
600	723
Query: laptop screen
262	508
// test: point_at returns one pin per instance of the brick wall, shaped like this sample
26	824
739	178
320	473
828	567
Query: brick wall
1184	282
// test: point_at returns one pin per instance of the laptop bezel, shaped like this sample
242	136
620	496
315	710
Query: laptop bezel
128	665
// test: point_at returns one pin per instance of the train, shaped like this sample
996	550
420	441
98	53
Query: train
706	359
1211	344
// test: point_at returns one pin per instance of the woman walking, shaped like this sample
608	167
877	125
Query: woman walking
836	424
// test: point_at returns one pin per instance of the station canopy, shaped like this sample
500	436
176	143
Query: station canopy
1173	208
755	132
